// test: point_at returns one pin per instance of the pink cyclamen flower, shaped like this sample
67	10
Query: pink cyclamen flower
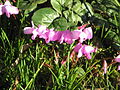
87	50
79	35
88	32
67	35
42	30
83	37
118	67
63	36
117	59
57	36
84	50
31	30
50	35
76	34
82	34
8	9
1	12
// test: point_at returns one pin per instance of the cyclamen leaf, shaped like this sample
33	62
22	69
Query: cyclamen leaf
114	39
44	16
56	5
61	24
77	6
88	7
40	1
29	5
68	3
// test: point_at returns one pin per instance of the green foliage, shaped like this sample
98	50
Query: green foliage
29	5
35	65
44	16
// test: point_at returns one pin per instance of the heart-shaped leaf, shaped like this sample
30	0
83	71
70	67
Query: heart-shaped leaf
44	16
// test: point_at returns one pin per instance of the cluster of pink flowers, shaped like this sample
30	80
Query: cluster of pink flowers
67	36
8	9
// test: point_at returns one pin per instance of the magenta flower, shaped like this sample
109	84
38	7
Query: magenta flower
77	47
8	9
35	34
67	35
79	35
29	30
88	32
118	67
76	34
85	50
117	59
63	36
57	35
1	12
42	30
50	35
82	35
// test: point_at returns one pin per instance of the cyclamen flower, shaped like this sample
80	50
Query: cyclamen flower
50	35
79	35
84	50
63	36
117	59
67	37
88	32
118	67
82	34
8	9
31	30
42	30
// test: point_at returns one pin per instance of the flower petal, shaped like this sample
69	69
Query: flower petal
117	59
88	32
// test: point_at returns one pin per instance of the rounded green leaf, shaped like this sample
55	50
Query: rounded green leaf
44	16
29	5
56	5
60	24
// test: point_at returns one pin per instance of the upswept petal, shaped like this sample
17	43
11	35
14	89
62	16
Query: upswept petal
68	37
35	34
77	47
1	12
84	50
117	59
50	35
88	32
76	34
28	30
87	50
83	37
